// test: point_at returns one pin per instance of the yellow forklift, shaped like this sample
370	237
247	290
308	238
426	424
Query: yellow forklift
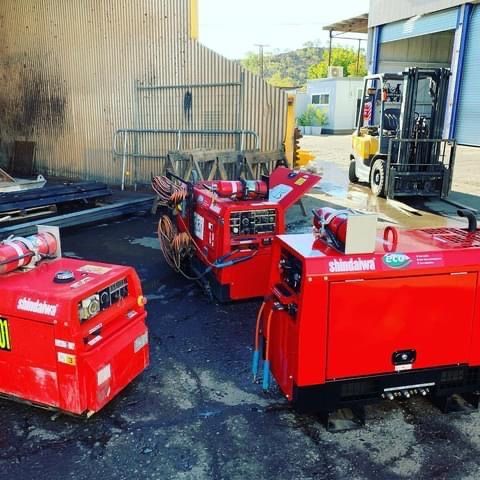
398	146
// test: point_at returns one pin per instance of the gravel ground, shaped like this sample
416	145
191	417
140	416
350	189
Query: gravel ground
195	413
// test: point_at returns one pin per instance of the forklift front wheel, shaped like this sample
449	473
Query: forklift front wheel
352	175
377	178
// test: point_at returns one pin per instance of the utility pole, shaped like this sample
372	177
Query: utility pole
260	55
329	47
358	55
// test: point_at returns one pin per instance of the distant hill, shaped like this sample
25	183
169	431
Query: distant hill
285	69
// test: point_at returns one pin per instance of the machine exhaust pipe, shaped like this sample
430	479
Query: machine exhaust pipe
470	216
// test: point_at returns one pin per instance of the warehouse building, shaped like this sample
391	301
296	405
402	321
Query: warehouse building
433	33
76	74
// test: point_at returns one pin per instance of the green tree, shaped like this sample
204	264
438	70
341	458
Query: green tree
252	63
284	69
278	81
341	57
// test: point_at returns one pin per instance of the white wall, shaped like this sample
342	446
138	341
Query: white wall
346	105
342	107
323	86
301	102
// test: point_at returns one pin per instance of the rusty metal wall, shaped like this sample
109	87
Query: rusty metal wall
70	70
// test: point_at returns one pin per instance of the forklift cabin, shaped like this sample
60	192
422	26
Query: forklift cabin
398	145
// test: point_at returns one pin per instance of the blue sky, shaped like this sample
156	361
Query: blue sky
232	28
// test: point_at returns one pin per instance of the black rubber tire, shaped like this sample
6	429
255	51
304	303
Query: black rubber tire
377	178
352	176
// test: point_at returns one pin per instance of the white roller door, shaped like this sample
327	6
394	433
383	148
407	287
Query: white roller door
467	127
420	25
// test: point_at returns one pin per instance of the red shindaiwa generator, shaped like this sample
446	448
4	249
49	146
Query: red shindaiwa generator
341	330
72	332
225	228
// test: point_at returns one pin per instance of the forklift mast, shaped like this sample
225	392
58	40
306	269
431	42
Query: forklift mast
437	89
403	114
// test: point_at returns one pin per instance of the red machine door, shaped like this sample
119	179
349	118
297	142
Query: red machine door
370	320
286	186
28	367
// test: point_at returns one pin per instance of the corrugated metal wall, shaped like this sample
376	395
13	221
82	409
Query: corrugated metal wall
468	114
69	75
420	25
386	11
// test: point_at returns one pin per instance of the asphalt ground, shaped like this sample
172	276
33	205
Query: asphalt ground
195	412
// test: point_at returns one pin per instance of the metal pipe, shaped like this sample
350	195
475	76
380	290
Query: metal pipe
239	106
179	139
124	161
192	85
136	120
179	132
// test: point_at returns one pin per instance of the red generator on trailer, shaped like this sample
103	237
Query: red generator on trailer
341	329
230	227
72	332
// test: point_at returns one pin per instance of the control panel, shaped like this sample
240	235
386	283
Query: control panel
251	222
291	270
94	304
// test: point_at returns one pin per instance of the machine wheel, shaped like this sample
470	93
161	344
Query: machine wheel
352	175
377	178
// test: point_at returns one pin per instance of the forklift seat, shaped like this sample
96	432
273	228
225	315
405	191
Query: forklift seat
391	119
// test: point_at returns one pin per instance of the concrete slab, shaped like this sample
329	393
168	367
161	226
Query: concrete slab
332	157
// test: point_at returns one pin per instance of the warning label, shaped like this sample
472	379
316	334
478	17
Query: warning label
198	225
94	269
278	192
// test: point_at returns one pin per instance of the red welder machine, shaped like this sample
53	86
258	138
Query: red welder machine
355	315
224	229
72	332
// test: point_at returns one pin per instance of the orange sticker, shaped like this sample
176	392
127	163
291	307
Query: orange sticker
300	181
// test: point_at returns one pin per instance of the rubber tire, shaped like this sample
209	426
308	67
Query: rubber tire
352	176
377	178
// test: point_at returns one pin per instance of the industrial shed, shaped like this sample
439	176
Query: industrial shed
74	73
435	33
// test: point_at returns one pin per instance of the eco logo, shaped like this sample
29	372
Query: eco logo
396	260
